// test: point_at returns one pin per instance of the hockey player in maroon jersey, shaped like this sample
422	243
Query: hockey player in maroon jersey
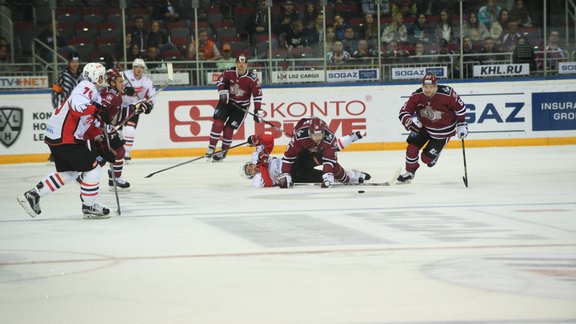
264	169
112	100
235	87
312	136
64	135
432	115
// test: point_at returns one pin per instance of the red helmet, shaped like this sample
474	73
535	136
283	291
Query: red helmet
316	129
112	74
430	79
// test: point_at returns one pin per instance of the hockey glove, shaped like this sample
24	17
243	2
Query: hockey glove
129	91
258	115
142	107
224	96
285	180
254	140
263	157
413	124
327	180
101	113
462	129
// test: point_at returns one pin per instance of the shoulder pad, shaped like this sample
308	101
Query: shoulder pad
301	133
444	89
328	137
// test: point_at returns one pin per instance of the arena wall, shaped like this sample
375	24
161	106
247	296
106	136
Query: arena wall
499	114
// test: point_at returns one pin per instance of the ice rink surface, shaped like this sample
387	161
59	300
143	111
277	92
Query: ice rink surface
198	244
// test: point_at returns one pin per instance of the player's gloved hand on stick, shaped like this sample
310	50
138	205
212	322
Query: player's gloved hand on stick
413	124
285	180
258	115
224	96
462	129
101	112
327	180
142	107
254	140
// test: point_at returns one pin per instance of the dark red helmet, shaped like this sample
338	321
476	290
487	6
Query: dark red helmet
316	129
430	79
112	74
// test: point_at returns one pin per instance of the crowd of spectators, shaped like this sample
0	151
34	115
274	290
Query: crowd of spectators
409	31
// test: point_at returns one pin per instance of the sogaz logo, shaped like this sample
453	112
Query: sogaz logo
10	124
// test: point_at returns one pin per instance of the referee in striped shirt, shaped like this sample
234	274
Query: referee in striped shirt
67	80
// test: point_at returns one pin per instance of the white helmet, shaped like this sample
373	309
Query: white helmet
93	71
138	62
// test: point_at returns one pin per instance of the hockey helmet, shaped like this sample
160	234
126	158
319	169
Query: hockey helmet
248	170
316	129
430	79
94	72
242	58
73	57
138	62
112	74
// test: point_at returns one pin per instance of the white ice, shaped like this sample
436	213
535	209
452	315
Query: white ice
198	244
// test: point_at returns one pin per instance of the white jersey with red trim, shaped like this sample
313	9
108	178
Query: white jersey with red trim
270	169
143	88
70	121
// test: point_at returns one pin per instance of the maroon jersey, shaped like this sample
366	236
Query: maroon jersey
241	87
112	99
301	140
438	114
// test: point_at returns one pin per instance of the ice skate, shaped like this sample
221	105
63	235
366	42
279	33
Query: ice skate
95	211
127	159
358	177
406	177
209	153
30	201
121	184
219	157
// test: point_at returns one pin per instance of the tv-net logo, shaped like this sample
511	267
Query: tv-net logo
191	120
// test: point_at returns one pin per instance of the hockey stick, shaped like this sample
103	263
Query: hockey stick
194	159
170	71
263	120
105	131
465	177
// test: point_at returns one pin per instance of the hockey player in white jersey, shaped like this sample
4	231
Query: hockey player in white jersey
143	89
65	131
264	170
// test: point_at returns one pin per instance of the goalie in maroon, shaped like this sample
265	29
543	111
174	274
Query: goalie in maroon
312	136
432	115
236	86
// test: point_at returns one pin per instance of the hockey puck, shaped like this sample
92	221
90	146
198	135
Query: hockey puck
360	191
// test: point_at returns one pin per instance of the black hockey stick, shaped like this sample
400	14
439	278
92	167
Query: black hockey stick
105	131
465	177
195	159
263	120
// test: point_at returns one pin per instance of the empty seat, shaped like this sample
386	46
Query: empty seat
108	30
180	32
85	30
172	55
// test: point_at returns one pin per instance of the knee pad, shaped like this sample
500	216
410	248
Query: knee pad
93	176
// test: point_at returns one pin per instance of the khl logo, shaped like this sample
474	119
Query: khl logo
10	124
